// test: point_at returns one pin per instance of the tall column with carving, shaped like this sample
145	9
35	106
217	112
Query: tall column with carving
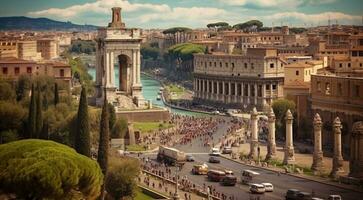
112	69
107	67
289	157
271	148
138	67
254	135
337	156
356	155
317	165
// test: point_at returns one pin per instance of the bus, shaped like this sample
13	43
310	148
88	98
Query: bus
247	175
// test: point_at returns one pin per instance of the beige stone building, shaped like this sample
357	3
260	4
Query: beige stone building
13	68
255	79
27	50
48	48
8	48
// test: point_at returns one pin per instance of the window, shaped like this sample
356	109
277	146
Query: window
271	65
5	70
274	86
245	65
29	70
348	64
267	87
297	73
210	64
226	64
61	72
340	65
327	88
215	64
318	85
356	90
360	65
16	70
340	89
220	64
354	53
232	65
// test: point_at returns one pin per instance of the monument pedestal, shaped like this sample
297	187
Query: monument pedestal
289	157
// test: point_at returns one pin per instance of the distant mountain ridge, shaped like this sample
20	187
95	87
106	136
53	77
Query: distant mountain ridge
27	23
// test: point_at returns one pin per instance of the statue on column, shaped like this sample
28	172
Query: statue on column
254	135
337	157
317	165
289	157
271	147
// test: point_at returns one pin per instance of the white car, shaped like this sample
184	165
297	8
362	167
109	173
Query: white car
257	188
215	152
268	187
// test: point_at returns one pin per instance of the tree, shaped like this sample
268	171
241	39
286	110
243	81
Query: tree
103	144
39	115
44	134
121	176
32	114
39	169
280	108
119	130
6	91
12	116
176	29
23	85
112	115
149	52
45	101
217	25
56	94
252	24
82	142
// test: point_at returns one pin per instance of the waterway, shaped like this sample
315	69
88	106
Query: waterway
150	89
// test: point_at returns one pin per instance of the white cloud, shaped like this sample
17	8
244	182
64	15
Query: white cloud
275	3
100	6
315	18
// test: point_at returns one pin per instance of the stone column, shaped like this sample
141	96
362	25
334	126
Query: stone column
248	93
337	156
112	69
108	72
356	153
242	93
271	147
317	165
133	68
263	92
256	94
289	157
254	135
138	66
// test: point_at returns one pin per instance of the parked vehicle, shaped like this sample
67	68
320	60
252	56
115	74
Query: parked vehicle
171	156
248	175
229	180
216	175
200	169
228	172
291	194
215	152
316	198
257	188
303	196
268	187
227	150
334	197
189	158
213	159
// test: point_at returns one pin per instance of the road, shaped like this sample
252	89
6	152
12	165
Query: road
281	183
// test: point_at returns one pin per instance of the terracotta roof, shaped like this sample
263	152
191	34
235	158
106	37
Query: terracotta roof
15	60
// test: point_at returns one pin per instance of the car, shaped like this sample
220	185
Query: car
215	152
291	194
334	197
215	175
229	180
200	169
257	188
316	198
268	187
227	150
189	158
213	159
303	196
228	172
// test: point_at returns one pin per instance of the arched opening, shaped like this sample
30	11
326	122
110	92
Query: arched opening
124	63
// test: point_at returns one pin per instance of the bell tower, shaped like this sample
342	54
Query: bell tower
116	18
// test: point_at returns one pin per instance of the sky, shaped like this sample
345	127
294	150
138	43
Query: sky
191	13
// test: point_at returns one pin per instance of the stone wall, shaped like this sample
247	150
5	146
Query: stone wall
153	115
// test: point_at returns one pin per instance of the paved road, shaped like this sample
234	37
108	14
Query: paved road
281	183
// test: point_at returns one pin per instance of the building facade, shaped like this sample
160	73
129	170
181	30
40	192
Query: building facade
255	79
48	48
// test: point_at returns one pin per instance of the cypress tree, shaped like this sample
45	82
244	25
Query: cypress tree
103	144
39	116
45	99
56	94
44	133
82	142
32	115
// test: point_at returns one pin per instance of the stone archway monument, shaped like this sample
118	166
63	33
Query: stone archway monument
118	46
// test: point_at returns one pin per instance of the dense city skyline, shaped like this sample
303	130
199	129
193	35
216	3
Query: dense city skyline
164	14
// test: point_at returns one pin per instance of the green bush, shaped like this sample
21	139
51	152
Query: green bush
38	169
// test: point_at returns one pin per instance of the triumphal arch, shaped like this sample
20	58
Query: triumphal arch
118	47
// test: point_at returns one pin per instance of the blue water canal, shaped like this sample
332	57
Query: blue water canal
150	89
